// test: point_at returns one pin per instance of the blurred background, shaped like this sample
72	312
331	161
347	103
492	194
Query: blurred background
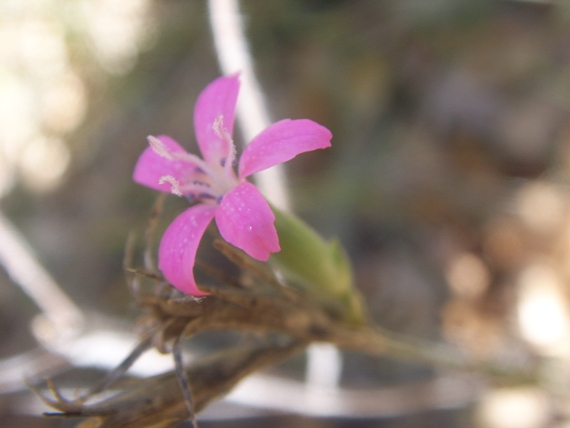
447	182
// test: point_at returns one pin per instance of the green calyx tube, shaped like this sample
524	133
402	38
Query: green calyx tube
317	266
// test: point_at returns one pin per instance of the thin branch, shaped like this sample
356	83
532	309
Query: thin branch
183	381
149	234
111	377
157	401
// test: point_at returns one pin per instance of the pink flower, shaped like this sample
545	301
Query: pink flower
243	216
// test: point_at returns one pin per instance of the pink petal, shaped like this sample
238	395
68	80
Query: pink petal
246	221
177	250
281	142
151	166
218	98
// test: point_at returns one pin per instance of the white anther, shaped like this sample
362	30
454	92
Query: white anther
159	148
223	134
174	184
219	128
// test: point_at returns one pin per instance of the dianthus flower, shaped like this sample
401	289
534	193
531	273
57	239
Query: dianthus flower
242	215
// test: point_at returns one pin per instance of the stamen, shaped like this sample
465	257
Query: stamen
200	166
198	191
159	148
219	128
224	135
175	185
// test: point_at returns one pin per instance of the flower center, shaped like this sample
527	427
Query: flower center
205	181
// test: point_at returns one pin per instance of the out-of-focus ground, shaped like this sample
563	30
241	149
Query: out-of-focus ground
447	180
